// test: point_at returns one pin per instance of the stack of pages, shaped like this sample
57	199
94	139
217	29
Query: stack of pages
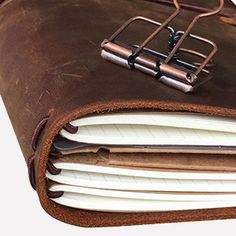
139	162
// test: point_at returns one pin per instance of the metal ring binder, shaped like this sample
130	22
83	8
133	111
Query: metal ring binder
167	68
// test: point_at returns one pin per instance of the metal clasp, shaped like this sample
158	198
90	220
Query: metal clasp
167	68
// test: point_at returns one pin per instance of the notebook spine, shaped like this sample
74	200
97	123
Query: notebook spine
53	155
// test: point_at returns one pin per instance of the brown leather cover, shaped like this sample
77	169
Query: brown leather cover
50	64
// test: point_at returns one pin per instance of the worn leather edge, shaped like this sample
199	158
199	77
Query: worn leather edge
100	219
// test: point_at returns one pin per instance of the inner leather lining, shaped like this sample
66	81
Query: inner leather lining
173	150
166	161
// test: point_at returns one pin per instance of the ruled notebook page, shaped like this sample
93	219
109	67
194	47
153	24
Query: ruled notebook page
136	180
155	129
121	190
128	190
149	135
108	204
127	201
166	119
97	189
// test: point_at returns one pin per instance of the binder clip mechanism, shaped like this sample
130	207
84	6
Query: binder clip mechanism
168	68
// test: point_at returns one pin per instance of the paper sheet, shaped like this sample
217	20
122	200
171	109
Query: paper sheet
137	180
155	129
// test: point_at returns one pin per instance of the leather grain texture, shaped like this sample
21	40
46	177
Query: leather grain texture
50	64
156	161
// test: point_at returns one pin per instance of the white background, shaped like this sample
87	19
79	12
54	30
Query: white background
21	213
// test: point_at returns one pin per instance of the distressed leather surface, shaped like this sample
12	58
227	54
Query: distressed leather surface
156	161
50	64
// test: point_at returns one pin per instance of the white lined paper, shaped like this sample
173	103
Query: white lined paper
155	129
134	183
110	204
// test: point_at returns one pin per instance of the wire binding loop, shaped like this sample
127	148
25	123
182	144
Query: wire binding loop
52	169
54	154
71	129
54	194
37	132
31	171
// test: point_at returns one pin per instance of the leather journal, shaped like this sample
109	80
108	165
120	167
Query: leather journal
112	146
